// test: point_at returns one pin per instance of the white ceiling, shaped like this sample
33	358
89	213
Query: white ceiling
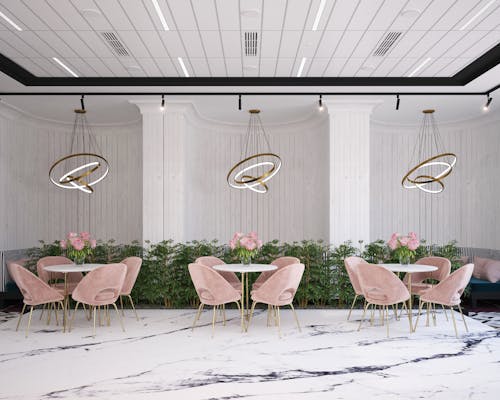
209	36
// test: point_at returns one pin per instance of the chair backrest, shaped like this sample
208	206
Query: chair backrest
34	290
449	290
211	286
55	260
280	288
133	267
102	285
381	286
281	262
443	267
211	261
351	265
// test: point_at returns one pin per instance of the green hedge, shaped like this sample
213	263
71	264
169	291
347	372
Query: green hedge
164	278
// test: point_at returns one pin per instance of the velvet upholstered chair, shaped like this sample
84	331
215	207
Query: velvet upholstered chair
278	291
211	261
418	284
212	289
448	293
279	263
133	267
34	290
100	287
381	287
351	266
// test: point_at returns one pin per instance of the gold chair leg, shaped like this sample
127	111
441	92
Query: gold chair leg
119	317
453	319
251	315
295	315
20	317
213	320
427	319
352	306
433	308
73	316
463	318
49	311
224	315
445	313
420	302
197	316
387	318
279	321
108	317
133	307
268	315
29	321
374	307
56	306
100	322
121	306
363	316
95	313
395	310
238	304
43	309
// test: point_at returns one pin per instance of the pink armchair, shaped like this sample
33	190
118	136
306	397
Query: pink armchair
279	290
351	265
210	261
448	293
280	262
34	290
100	287
418	286
212	289
383	288
133	267
72	277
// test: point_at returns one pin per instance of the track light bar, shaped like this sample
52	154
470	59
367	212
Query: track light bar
397	102
486	107
162	107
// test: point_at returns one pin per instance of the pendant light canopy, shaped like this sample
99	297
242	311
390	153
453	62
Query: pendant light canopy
84	166
429	164
258	163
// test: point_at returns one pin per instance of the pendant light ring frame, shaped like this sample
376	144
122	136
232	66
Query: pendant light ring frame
237	180
421	180
70	181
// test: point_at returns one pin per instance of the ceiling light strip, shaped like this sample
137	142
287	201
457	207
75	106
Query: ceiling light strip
321	8
10	21
184	69
301	67
419	67
160	15
65	67
482	10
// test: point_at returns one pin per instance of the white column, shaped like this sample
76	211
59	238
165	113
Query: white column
163	170
349	170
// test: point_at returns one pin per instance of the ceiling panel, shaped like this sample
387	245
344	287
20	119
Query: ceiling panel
118	67
76	43
200	67
484	44
46	13
229	14
490	21
231	43
27	18
115	14
460	9
454	66
205	14
317	66
154	44
171	40
96	21
407	41
367	44
309	43
217	66
342	13
95	43
347	43
234	67
69	14
273	15
405	66
479	20
195	48
144	19
362	20
289	43
98	65
10	51
388	12
30	65
445	43
328	43
385	66
85	69
149	66
351	66
134	44
434	66
16	41
468	41
335	66
183	15
166	67
296	14
51	67
267	66
251	15
425	44
432	14
285	67
270	42
56	43
212	43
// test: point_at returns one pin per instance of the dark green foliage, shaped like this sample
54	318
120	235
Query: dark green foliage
164	278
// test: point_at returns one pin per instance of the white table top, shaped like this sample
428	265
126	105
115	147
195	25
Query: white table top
245	268
72	267
409	267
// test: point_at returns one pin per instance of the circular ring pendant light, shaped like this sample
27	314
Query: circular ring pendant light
83	167
257	166
431	164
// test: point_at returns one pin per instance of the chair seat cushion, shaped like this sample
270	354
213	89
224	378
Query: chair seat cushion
420	288
105	295
375	294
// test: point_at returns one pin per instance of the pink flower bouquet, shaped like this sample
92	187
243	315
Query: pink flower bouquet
245	246
404	247
78	246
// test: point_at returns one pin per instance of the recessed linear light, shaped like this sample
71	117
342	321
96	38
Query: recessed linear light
160	14
181	62
419	67
482	10
65	66
10	21
301	67
318	15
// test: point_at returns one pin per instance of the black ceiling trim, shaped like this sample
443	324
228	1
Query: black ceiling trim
478	67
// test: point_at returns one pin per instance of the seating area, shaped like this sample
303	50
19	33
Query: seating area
249	199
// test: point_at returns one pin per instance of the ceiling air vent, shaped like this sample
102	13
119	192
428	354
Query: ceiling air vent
112	40
386	44
250	43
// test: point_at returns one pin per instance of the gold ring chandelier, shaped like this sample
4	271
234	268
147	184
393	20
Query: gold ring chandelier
257	166
83	167
430	163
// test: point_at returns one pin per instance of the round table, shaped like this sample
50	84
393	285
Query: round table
244	269
409	269
65	269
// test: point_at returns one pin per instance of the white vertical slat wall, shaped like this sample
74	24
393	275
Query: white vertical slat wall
468	210
296	205
33	209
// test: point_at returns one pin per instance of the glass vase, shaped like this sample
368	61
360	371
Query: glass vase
79	260
246	260
404	259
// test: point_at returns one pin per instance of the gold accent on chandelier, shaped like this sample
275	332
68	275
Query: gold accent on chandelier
428	175
257	166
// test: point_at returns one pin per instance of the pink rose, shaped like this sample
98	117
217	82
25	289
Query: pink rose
412	235
62	243
253	235
232	244
392	243
78	244
394	236
250	245
404	240
93	243
72	235
413	244
85	235
259	243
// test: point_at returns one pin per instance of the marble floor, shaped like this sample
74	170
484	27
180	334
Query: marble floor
159	357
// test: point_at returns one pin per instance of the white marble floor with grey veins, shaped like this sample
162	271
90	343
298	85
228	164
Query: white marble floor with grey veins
159	357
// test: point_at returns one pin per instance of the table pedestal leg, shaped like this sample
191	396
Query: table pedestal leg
66	301
410	303
242	301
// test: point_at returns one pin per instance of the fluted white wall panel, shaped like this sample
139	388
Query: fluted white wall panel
467	210
32	208
296	205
